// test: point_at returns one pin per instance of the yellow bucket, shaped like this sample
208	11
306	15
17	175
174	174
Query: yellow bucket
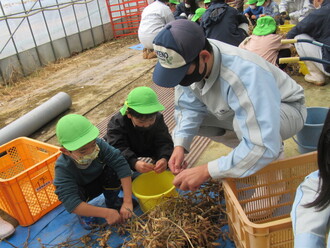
152	188
303	68
285	28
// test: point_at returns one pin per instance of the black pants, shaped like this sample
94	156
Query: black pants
284	53
107	183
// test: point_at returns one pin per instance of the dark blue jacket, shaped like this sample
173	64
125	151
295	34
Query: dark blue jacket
257	11
220	22
316	25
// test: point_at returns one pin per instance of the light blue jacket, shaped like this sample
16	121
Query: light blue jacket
310	227
244	93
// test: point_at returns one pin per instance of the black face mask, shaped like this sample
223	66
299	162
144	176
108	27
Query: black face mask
195	76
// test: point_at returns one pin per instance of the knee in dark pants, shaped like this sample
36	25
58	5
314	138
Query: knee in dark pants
112	200
284	53
110	179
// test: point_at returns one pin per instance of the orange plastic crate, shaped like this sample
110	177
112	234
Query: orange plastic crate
259	206
26	179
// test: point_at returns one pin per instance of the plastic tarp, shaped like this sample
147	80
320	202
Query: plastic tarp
59	226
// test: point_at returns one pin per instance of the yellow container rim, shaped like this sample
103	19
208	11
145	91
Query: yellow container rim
153	196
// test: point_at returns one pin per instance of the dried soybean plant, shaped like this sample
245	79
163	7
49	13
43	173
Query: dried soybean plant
193	219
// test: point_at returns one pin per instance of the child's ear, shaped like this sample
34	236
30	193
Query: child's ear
129	116
65	151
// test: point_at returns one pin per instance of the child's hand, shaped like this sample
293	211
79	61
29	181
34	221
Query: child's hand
247	15
262	15
161	165
112	216
143	167
253	17
126	210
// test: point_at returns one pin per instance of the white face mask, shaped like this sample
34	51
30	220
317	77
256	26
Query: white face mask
253	6
85	161
187	5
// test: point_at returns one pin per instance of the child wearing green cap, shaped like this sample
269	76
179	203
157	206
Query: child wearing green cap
265	42
172	4
253	11
139	130
87	167
198	15
270	8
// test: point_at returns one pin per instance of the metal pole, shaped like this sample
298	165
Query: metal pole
48	32
34	40
75	17
12	38
90	24
98	6
63	26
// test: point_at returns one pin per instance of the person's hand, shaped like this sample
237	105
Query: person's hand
126	210
253	17
112	216
161	165
192	178
143	167
247	15
176	162
284	13
262	15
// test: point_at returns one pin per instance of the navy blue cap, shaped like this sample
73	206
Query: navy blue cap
176	46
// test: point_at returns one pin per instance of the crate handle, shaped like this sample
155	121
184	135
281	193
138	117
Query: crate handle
3	154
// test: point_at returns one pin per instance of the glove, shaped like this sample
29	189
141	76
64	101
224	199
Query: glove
190	16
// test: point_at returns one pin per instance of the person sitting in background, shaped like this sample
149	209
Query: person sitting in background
311	207
315	26
139	130
172	4
265	42
186	9
207	3
253	11
88	167
270	8
154	17
224	23
198	15
296	10
6	229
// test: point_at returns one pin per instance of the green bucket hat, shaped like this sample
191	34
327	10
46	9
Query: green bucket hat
143	100
173	2
198	13
251	2
265	25
74	131
260	2
207	1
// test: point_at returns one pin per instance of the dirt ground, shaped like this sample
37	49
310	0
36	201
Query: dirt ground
97	80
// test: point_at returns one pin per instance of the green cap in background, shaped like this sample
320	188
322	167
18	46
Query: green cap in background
207	1
173	2
265	25
74	131
143	100
198	13
252	1
260	2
